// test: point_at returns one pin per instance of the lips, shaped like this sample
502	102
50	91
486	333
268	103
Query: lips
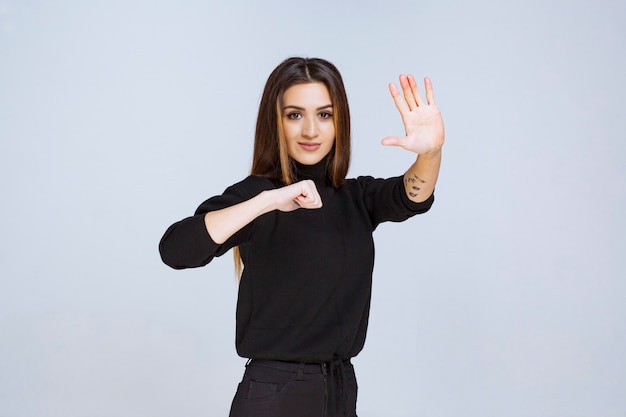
309	146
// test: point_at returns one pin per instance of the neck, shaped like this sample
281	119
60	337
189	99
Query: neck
311	172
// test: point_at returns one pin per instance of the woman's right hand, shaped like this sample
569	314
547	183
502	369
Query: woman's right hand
302	194
222	224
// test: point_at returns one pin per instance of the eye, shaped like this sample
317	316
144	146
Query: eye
294	116
325	115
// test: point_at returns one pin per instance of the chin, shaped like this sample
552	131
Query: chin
308	159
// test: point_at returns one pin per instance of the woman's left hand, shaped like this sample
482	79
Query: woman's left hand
423	123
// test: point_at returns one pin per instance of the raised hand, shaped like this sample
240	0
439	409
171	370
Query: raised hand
423	123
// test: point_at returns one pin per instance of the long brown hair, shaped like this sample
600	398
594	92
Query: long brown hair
270	158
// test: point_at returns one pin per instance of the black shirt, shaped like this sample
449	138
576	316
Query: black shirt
306	286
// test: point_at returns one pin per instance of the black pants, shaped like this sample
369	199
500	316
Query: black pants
287	389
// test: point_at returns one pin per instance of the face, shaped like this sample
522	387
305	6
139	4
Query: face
308	122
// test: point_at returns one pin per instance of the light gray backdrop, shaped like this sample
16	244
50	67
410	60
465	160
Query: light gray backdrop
118	118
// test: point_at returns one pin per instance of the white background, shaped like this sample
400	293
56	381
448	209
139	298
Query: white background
118	118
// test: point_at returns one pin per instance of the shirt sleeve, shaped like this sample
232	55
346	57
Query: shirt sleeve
187	244
386	200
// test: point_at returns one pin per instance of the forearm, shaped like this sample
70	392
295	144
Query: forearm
222	224
421	177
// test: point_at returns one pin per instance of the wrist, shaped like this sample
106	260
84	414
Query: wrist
433	153
268	201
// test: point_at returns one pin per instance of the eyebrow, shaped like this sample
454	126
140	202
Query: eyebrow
303	109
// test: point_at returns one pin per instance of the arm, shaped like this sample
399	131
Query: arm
423	126
196	240
421	177
222	224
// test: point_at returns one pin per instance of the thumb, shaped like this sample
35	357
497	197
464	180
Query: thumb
392	141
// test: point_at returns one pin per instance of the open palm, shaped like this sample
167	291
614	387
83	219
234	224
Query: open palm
423	123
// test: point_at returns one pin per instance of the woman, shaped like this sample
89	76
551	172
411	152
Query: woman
303	233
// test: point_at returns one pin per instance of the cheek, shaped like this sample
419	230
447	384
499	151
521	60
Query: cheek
330	131
289	133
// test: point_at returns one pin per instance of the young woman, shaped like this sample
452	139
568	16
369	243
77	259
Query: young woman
302	235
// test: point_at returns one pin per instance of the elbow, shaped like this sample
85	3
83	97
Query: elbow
168	255
428	203
185	250
186	244
177	259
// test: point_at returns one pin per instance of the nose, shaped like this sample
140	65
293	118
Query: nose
310	128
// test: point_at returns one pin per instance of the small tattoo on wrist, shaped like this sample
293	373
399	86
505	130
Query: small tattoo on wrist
419	179
412	181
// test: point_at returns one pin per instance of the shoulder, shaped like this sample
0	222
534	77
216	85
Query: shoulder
243	190
251	186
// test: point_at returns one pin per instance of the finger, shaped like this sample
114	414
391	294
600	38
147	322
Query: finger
309	196
401	104
430	95
307	202
409	96
415	90
392	141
